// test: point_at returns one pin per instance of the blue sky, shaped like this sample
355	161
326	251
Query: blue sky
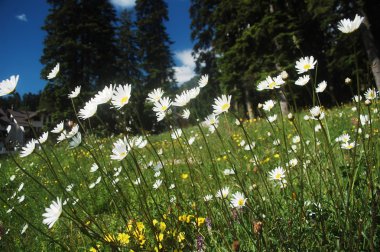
21	42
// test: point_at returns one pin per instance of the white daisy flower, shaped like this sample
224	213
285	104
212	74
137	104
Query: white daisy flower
94	167
58	128
207	197
277	174
238	200
348	26
296	139
364	119
182	99
293	162
194	92
120	150
75	93
155	95
191	140
52	213
203	81
28	148
137	141
305	64
272	118
344	138
157	184
43	138
223	193
227	172
303	80
357	98
53	73
370	94
20	187
222	104
137	181
105	95
62	136
348	145
161	107
121	96
24	228
268	105
8	86
69	187
321	87
211	120
250	146
284	75
270	83
185	114
317	113
21	198
89	110
74	130
75	141
177	133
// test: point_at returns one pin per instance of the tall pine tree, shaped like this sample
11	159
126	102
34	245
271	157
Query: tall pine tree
154	53
154	44
80	36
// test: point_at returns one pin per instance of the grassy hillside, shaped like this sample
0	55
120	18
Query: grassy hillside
296	183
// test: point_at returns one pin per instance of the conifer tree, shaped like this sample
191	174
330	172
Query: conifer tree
80	36
153	41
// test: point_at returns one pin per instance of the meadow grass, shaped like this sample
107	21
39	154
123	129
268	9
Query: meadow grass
294	184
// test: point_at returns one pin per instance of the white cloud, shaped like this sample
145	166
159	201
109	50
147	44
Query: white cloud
22	17
185	71
123	3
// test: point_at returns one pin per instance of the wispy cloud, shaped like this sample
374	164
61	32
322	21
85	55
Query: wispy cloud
123	3
185	71
22	17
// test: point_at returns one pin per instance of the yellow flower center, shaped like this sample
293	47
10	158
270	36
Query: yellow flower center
225	106
272	85
277	176
164	108
241	202
306	66
124	100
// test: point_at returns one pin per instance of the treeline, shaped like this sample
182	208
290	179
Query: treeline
95	48
237	43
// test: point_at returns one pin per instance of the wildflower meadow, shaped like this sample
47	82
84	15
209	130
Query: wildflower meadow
308	180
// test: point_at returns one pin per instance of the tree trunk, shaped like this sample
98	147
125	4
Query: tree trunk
371	49
280	92
283	102
248	103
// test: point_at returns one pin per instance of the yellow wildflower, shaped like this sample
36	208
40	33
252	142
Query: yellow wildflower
199	221
184	175
181	236
188	218
160	237
182	218
123	238
162	226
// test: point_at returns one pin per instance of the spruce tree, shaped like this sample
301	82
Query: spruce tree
80	36
156	61
154	44
128	65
